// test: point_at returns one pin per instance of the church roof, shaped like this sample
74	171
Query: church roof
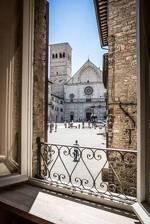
87	64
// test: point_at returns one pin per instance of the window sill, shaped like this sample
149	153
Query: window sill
12	179
78	195
42	206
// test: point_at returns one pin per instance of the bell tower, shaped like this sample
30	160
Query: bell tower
60	66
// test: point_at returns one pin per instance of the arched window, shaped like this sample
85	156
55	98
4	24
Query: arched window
60	55
53	56
56	56
63	54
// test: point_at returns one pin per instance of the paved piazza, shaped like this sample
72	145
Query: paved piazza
86	137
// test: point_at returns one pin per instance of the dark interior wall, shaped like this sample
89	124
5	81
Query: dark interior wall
7	217
145	86
10	84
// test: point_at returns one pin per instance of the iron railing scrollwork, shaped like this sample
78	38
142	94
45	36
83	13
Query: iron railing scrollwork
105	173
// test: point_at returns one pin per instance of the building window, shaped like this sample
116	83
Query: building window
63	54
71	95
88	99
56	56
60	55
53	56
61	102
61	110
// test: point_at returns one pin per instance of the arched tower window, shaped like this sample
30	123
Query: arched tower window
60	55
56	56
53	56
63	54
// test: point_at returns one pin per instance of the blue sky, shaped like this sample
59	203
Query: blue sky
74	21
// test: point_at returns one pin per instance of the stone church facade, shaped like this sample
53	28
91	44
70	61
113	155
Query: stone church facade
83	94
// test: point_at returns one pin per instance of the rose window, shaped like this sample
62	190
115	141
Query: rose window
88	90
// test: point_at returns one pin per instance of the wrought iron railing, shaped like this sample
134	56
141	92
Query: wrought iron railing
105	173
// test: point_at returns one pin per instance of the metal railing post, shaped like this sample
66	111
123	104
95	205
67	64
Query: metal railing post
38	141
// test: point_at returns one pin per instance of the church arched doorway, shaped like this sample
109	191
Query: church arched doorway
72	116
88	113
88	116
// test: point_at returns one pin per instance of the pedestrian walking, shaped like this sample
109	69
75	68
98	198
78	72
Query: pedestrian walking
51	127
65	124
55	127
92	124
69	124
83	124
89	124
72	124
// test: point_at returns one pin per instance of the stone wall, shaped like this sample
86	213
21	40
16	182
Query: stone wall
40	59
122	98
122	74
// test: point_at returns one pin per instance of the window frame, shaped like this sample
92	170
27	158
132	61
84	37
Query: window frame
26	99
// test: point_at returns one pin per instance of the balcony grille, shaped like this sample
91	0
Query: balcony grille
103	173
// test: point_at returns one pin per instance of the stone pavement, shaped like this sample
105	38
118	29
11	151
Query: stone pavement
86	137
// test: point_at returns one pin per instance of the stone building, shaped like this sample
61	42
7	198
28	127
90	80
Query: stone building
117	26
78	97
117	29
55	106
60	56
84	94
56	111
